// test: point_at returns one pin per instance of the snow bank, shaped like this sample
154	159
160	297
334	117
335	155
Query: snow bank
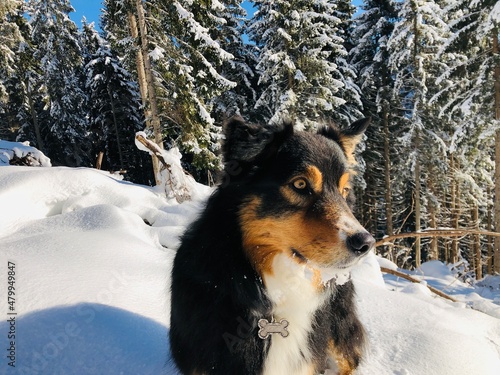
412	331
22	152
92	257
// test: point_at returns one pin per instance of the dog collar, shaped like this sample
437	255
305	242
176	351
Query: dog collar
268	328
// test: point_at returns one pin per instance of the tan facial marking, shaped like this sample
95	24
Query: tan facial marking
264	238
315	178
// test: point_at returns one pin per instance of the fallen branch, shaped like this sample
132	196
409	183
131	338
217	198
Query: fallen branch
176	178
414	280
436	233
154	148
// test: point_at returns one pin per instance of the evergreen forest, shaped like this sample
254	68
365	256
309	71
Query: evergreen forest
427	72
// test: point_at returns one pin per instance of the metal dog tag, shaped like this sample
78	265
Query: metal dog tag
267	328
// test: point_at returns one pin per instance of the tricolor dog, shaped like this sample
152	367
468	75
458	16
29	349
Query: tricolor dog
260	283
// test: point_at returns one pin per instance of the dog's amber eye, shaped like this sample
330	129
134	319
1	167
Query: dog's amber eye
344	187
300	184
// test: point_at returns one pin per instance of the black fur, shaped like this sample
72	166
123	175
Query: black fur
217	295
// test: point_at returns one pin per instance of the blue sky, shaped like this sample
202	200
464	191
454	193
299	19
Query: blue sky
91	9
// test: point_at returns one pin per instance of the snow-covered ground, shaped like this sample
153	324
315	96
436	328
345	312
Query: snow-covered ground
18	150
90	257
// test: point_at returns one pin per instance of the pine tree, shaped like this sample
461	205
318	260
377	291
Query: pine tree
297	41
199	62
186	61
369	57
239	100
469	100
10	40
32	113
115	114
351	110
417	37
58	50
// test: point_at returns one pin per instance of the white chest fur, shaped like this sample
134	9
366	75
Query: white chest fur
296	299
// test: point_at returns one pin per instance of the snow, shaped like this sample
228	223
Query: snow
92	259
157	54
9	150
495	13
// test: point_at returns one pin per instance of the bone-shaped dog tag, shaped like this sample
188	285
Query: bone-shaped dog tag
267	328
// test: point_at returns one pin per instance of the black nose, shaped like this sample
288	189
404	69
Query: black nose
360	243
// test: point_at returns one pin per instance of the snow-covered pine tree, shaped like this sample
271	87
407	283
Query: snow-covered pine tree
201	64
297	40
413	47
115	25
10	39
369	57
115	114
57	48
26	93
241	99
352	109
90	41
24	109
186	61
469	101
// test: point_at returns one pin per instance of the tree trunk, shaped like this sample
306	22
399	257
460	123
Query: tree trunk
434	255
34	117
115	125
433	251
496	254
146	80
143	86
455	214
100	156
477	245
148	70
490	239
418	250
139	60
387	173
417	81
497	156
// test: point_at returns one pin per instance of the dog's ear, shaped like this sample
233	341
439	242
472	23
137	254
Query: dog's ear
248	143
347	138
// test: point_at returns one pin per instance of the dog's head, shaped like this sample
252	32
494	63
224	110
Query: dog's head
295	189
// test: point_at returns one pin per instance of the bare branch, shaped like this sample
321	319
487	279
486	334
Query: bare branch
435	233
414	280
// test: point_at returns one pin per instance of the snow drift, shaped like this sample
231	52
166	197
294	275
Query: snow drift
92	258
23	154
